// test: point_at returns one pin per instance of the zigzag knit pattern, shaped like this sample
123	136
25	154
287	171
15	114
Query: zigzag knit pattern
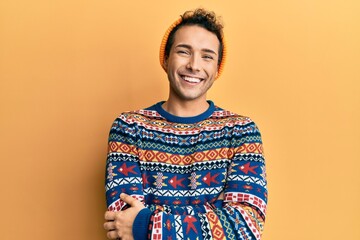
200	178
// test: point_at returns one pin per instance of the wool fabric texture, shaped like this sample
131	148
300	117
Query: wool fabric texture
166	37
199	177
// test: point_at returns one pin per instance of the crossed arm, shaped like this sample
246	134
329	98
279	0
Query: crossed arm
120	224
240	214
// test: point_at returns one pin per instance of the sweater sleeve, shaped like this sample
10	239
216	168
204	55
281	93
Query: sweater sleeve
123	173
246	193
238	214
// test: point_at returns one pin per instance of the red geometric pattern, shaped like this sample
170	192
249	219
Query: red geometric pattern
248	221
186	160
222	114
122	148
212	154
257	221
250	148
190	220
244	197
177	159
193	178
118	205
216	122
208	179
156	233
199	156
215	225
125	170
246	168
230	153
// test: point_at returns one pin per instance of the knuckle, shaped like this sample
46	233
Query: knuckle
108	215
117	225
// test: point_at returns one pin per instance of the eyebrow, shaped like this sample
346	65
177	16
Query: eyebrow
189	47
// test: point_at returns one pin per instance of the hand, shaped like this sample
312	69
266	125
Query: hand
119	224
221	196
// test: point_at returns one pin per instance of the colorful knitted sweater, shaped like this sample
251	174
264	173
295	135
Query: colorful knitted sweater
199	177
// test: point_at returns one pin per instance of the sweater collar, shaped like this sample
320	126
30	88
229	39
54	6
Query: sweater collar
172	118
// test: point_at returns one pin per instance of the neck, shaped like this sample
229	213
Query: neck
186	108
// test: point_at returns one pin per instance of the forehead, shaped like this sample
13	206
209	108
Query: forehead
197	37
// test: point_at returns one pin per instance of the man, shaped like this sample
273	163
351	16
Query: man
185	168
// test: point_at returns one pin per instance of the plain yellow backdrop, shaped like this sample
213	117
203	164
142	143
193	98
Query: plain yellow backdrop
68	68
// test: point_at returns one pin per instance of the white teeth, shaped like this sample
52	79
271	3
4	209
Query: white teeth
191	79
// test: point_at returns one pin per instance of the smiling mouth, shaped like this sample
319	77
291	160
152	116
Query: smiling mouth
191	79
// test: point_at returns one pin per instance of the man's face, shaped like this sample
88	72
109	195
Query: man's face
192	64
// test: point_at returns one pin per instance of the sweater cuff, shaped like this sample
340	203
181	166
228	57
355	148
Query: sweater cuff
141	223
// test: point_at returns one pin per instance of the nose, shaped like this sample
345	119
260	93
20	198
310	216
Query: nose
194	63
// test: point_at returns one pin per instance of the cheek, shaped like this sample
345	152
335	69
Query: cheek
212	69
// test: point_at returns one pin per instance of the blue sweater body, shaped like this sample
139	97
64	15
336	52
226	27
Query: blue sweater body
199	177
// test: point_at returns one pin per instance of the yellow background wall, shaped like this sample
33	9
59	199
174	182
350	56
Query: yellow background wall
68	68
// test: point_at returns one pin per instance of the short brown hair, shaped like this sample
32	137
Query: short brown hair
203	18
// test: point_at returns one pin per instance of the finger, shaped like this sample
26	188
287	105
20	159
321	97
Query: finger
128	199
133	202
221	196
112	235
109	215
109	226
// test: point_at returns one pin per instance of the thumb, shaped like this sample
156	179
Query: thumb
129	199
